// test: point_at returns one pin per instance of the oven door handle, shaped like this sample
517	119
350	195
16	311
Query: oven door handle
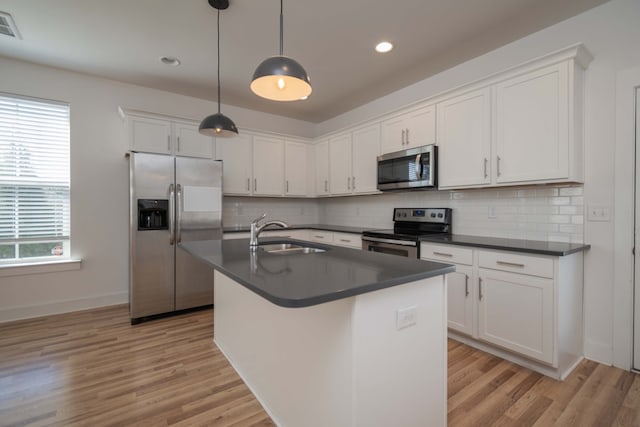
419	166
392	242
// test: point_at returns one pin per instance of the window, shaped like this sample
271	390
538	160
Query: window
34	179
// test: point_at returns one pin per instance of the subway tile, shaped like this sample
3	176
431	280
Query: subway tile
577	219
570	228
570	210
546	192
559	200
571	191
559	219
577	200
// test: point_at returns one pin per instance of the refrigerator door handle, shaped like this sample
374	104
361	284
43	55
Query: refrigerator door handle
172	208
179	214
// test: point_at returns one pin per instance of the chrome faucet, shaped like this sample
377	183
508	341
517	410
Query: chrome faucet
257	229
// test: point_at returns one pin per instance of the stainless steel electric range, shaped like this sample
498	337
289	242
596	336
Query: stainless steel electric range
409	224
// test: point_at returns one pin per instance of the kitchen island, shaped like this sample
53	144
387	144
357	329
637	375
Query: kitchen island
337	338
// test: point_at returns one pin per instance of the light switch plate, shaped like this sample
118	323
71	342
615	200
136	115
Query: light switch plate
406	317
598	213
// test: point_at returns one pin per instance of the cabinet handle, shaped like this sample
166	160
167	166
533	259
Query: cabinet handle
443	254
403	136
348	183
248	184
480	288
255	184
353	182
178	143
485	167
498	165
318	237
466	285
326	186
287	186
169	142
345	240
510	264
407	134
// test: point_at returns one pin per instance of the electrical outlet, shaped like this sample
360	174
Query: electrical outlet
598	213
405	317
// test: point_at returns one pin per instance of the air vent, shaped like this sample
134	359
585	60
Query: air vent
7	26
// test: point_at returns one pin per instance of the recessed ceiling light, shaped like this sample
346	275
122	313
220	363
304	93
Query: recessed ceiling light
170	60
384	47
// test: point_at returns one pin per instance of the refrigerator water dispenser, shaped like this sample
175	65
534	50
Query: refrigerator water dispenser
153	214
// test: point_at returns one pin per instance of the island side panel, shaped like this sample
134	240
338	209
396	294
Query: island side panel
400	374
296	361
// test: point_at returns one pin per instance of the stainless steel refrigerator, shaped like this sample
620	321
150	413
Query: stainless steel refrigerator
172	200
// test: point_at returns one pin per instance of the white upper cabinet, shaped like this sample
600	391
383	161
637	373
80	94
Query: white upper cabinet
353	161
268	166
295	165
190	142
464	140
412	129
340	164
237	163
532	126
524	127
365	151
165	135
321	158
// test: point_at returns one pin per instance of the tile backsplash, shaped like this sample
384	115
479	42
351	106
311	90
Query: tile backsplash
240	211
548	213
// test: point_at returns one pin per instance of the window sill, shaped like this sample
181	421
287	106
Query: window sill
40	267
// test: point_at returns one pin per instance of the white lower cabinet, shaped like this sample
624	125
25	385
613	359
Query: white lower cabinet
515	311
523	307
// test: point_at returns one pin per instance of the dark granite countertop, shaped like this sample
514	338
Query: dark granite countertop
302	280
528	246
326	227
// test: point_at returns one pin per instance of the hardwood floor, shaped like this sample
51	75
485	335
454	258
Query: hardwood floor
93	368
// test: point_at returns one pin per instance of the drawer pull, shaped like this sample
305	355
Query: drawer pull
443	254
480	288
510	264
319	237
345	240
466	285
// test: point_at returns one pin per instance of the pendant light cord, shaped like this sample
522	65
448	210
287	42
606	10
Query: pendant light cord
281	26
219	95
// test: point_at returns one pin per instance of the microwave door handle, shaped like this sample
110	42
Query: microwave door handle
419	167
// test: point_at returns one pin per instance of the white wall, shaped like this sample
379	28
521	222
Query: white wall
611	33
99	182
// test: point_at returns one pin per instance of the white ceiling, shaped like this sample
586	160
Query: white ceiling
333	39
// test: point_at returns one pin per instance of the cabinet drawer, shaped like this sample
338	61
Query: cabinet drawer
321	236
446	253
348	240
516	263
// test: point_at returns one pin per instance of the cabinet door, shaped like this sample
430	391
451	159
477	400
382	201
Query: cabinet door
295	164
321	156
393	134
420	127
191	143
365	150
340	164
460	299
532	126
464	140
515	311
235	154
268	166
150	135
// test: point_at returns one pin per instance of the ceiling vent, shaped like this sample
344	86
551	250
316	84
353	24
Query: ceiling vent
7	26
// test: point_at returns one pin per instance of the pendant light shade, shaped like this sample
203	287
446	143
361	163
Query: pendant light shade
218	124
281	78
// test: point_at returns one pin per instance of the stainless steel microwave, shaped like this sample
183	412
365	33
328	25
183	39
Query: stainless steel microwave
411	169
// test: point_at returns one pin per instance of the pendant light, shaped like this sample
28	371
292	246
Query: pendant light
218	124
280	78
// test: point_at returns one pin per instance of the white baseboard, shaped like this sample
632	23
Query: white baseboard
598	352
58	307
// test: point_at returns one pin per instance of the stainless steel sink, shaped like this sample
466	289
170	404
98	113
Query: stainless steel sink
289	249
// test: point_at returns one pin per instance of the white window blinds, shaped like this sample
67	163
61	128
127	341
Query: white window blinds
34	178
